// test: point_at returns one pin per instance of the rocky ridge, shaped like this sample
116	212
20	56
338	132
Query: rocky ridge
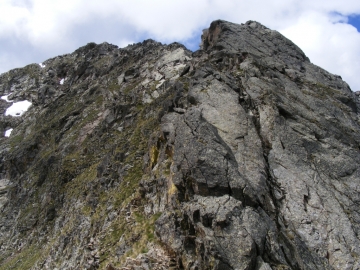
241	155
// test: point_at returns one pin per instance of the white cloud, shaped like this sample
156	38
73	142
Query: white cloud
54	27
329	44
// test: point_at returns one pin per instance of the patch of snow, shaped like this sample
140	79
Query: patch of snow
41	65
62	81
18	108
6	98
8	132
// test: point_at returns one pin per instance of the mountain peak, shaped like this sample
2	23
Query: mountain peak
251	37
241	155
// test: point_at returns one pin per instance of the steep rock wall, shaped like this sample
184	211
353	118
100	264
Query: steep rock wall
266	159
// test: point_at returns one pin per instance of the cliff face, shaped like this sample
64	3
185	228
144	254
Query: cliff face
242	155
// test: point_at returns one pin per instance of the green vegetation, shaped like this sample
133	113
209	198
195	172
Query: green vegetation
136	233
25	259
63	154
320	91
130	87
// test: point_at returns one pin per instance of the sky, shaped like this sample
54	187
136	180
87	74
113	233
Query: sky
32	31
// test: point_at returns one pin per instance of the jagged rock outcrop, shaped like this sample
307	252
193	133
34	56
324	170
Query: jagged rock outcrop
242	155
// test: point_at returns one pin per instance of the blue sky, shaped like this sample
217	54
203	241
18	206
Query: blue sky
32	31
354	20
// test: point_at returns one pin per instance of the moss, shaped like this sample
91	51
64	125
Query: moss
144	250
130	87
137	235
129	185
154	85
148	225
24	260
76	187
105	60
115	232
319	90
167	170
154	154
32	71
172	189
86	210
80	167
15	140
121	197
27	213
240	72
186	86
114	87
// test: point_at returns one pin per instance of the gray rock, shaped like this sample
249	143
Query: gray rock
242	155
288	145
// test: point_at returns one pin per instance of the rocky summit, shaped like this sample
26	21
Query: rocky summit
241	155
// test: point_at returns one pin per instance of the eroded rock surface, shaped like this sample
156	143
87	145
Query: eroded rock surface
278	136
242	155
